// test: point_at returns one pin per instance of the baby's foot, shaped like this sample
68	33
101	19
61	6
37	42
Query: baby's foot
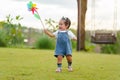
70	69
58	70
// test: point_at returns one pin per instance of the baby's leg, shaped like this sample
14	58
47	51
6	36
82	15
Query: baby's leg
69	60
59	63
59	59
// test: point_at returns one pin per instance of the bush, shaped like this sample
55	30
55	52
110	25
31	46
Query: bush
89	46
2	39
109	49
44	42
74	44
2	43
112	48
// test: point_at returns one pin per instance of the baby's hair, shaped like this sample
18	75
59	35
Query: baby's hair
67	21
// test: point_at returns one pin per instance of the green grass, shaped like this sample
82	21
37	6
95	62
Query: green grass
30	64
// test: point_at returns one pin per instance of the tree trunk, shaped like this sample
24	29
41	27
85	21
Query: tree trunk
82	7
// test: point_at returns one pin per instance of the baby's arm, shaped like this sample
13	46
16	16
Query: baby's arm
49	33
72	36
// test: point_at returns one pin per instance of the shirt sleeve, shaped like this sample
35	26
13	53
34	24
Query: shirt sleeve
71	35
55	33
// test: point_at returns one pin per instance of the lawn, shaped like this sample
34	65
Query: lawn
31	64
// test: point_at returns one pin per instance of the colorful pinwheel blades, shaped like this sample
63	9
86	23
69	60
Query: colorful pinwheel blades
32	7
29	5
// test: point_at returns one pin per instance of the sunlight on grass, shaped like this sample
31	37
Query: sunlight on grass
31	64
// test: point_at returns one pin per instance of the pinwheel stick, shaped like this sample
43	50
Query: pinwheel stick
41	20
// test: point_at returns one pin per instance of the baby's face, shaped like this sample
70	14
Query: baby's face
62	25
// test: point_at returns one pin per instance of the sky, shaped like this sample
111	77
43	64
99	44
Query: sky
55	9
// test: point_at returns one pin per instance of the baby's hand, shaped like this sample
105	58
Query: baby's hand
49	33
45	30
75	38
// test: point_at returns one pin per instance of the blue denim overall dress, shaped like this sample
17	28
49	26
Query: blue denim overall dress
63	44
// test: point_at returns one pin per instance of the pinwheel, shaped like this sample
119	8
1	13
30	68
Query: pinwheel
32	7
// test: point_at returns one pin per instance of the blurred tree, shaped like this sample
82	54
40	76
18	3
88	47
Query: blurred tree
82	7
13	31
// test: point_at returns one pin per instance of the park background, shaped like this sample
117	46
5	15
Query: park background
26	53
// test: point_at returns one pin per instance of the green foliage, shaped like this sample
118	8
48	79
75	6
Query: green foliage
14	34
2	39
45	42
112	48
109	49
74	43
89	46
